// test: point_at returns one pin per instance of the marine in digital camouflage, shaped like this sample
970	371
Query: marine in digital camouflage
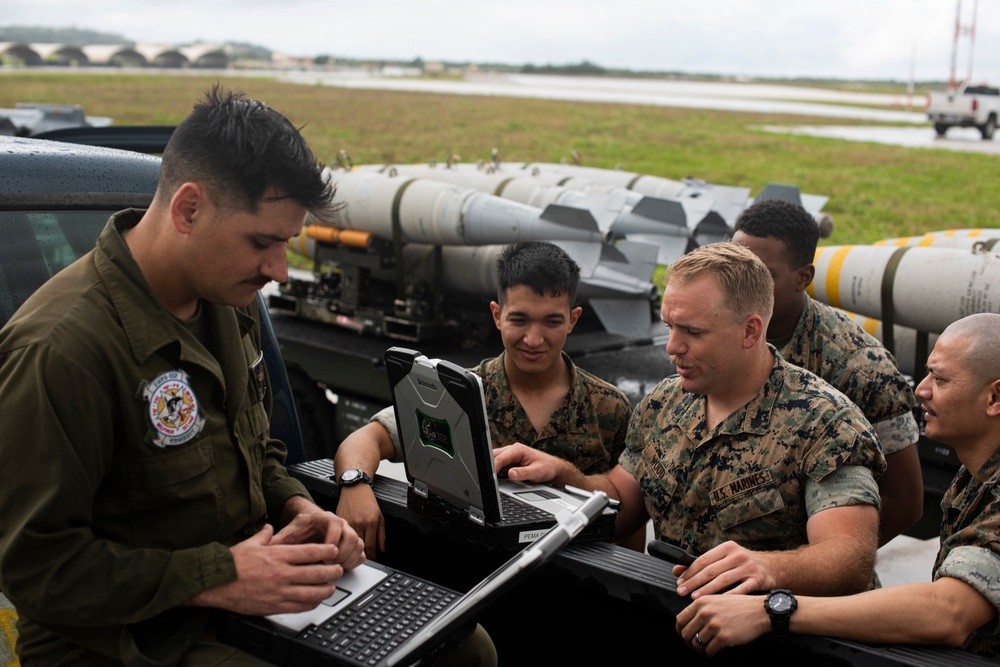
746	479
588	429
833	346
970	543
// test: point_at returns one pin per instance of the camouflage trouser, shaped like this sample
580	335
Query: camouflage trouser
8	633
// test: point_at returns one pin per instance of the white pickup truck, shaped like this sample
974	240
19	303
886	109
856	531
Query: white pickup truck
966	106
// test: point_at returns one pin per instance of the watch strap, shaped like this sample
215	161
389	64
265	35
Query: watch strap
358	476
780	619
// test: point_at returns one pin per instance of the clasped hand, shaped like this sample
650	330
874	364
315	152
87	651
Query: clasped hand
289	571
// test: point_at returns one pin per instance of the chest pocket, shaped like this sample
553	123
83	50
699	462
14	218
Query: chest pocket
181	481
749	497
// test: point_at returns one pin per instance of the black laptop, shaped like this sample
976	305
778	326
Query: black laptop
381	617
448	458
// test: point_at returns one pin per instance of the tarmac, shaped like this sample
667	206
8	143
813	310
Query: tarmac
909	124
961	139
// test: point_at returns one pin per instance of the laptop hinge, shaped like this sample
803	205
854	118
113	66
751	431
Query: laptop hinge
477	516
421	489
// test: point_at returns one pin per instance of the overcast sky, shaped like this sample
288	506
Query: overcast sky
850	39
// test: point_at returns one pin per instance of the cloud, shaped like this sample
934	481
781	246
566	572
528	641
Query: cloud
844	39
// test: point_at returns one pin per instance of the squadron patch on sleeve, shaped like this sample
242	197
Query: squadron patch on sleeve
172	409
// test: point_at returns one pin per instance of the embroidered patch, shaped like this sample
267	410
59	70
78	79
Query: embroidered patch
173	409
746	484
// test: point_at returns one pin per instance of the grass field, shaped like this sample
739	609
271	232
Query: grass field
876	191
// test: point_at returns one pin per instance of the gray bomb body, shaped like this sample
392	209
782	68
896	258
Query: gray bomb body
671	224
428	211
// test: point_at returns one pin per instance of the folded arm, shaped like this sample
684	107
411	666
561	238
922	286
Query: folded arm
838	560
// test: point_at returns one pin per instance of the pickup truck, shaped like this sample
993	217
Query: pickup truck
56	197
967	106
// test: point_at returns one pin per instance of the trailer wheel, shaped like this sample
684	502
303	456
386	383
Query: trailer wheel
940	128
317	416
987	128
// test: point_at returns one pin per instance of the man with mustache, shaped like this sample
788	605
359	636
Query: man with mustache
960	397
140	519
761	469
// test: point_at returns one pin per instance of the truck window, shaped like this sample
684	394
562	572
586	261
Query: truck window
982	90
35	245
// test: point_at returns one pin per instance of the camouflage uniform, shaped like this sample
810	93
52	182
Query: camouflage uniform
970	543
831	345
588	429
748	480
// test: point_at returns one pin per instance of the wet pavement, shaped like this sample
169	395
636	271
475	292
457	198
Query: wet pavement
964	139
911	127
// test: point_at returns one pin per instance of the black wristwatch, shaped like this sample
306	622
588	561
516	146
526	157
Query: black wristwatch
779	605
353	476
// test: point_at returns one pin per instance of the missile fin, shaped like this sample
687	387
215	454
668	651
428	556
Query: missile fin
669	248
712	228
586	255
611	253
664	210
637	259
625	317
570	216
780	191
814	203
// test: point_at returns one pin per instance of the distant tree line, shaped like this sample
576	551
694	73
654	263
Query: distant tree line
71	36
245	51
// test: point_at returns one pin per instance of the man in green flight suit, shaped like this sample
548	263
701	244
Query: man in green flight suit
143	487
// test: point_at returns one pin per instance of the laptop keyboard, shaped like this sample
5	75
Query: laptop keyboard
372	628
518	511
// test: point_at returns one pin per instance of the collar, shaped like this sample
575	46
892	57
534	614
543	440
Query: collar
807	322
510	409
753	418
147	323
989	470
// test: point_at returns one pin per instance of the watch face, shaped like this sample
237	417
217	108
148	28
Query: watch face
349	475
780	602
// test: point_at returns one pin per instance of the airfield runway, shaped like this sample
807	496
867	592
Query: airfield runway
910	126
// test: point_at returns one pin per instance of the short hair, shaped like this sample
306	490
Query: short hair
544	267
747	286
786	221
981	331
245	153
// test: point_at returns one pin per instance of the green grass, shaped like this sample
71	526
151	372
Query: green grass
875	191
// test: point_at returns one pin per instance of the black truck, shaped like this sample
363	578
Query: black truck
55	197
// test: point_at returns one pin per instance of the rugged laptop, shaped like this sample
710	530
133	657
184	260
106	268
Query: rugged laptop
380	616
448	457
